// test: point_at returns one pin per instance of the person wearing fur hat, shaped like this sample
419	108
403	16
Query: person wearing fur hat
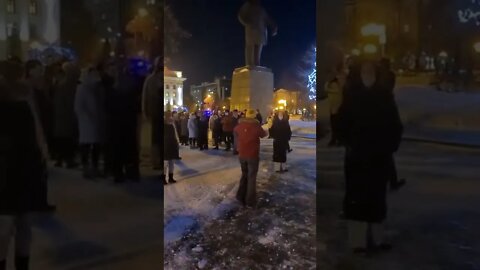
248	133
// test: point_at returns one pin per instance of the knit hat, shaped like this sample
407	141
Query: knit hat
251	113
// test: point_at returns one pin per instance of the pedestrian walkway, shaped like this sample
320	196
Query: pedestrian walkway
443	136
96	221
431	221
281	230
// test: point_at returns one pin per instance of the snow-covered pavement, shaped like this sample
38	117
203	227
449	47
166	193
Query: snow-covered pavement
432	115
223	236
432	222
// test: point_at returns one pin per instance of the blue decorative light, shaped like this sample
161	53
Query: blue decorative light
312	79
468	14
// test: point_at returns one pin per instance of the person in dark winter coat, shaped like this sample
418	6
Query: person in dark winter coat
65	123
259	117
170	148
22	167
125	107
184	128
41	103
387	79
249	131
281	134
216	128
203	133
371	129
235	118
152	113
227	129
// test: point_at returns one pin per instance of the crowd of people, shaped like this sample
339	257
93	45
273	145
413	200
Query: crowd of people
236	130
62	113
366	121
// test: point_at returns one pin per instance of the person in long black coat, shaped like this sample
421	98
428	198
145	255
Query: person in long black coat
371	129
203	133
281	134
22	167
125	107
170	148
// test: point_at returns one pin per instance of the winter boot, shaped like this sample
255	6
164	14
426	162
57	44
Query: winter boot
22	263
170	178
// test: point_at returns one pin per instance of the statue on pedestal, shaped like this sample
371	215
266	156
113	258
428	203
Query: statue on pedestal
256	22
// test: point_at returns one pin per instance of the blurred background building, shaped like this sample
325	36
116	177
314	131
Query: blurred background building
27	23
173	89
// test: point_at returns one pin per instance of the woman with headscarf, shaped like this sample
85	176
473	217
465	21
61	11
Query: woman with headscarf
193	130
371	129
281	134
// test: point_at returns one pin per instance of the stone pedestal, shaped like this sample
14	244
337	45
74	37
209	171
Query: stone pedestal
252	88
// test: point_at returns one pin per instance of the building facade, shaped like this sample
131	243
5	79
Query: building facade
288	100
173	89
27	22
216	93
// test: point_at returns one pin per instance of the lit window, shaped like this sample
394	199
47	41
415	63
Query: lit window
11	6
32	8
174	95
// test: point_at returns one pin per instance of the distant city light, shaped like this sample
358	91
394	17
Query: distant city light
142	12
356	52
443	54
467	15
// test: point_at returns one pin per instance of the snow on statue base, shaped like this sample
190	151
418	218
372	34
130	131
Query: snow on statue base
252	88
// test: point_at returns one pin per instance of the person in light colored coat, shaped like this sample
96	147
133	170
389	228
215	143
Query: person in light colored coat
193	130
90	111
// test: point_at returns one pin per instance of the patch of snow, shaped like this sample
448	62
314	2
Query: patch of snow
201	264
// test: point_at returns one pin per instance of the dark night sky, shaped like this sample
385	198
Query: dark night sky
217	43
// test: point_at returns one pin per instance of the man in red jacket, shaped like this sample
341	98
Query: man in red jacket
248	132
